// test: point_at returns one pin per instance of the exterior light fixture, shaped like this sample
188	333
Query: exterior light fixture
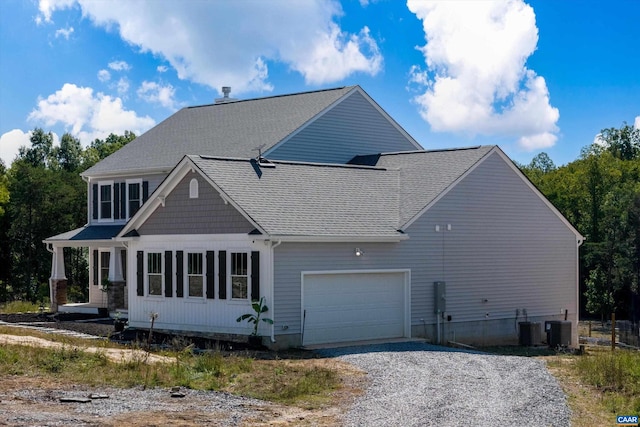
359	252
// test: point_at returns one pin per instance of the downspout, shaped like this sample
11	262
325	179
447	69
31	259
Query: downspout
273	326
580	241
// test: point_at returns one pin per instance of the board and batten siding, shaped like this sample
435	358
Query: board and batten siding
197	314
506	250
352	127
206	214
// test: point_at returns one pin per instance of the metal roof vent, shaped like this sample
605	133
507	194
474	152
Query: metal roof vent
226	90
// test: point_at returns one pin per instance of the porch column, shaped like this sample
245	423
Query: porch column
115	292
58	279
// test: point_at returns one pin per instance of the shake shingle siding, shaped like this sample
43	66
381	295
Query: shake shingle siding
207	214
352	127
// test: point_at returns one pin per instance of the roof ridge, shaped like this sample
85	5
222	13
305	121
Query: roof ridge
291	162
437	150
270	97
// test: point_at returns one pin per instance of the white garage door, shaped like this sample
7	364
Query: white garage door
353	306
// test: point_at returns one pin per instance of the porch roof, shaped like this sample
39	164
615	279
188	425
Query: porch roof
88	233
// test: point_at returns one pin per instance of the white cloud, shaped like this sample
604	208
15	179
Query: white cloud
476	78
104	75
154	93
162	68
10	142
122	86
636	124
87	116
64	32
230	44
119	66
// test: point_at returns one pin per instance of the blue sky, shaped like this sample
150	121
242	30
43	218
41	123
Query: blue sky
529	76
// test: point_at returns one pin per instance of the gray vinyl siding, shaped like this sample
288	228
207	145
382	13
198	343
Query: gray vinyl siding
352	127
505	246
207	214
154	181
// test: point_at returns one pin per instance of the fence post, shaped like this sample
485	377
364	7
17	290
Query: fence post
613	331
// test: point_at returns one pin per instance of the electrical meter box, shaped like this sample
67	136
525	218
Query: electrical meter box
440	297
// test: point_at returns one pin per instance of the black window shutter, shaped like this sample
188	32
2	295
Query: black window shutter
211	260
168	274
222	274
140	273
116	201
179	274
96	271
123	200
95	201
145	191
255	276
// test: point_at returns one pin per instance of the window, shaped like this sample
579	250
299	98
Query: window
104	268
239	277
106	202
195	274
134	198
154	272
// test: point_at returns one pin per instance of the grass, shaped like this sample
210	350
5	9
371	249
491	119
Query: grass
14	307
294	382
616	374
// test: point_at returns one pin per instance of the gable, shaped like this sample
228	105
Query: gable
494	200
232	129
206	214
352	127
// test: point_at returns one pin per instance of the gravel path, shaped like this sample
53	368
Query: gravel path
417	384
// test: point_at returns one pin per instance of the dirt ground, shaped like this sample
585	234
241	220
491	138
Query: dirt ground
28	401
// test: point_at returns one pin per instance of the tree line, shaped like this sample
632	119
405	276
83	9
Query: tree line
599	193
42	195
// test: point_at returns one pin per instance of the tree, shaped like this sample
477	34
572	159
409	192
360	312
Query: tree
623	143
68	156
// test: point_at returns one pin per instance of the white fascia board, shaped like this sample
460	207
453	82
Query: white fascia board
125	174
446	190
334	239
156	198
527	181
84	243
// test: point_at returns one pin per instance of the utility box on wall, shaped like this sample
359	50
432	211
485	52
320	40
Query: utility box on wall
440	297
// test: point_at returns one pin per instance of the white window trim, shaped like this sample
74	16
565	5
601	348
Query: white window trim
132	181
146	272
186	273
230	253
99	195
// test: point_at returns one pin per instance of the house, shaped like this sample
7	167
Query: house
323	205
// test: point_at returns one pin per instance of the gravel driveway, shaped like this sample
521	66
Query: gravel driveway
417	384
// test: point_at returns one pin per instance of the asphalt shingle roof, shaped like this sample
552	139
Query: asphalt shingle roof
232	129
304	199
424	175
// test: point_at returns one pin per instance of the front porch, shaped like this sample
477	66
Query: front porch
107	291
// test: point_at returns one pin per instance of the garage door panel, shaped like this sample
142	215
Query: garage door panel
355	306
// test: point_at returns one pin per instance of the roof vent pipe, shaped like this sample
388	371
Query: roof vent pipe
226	90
